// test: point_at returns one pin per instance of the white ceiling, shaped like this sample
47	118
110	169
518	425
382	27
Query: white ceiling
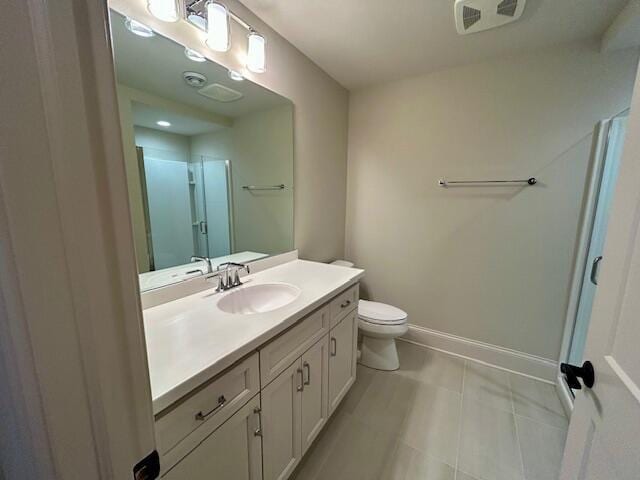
147	116
363	42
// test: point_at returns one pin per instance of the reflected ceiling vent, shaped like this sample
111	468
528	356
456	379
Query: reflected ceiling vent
477	15
220	93
194	79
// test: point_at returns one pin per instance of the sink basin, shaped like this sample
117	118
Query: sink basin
260	298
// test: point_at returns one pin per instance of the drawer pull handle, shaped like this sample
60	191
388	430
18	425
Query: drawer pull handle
258	431
334	346
345	304
308	368
203	416
300	387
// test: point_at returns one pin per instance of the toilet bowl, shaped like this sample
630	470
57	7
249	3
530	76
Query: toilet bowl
379	325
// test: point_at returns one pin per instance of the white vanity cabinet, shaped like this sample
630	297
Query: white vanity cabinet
343	340
227	430
233	451
295	408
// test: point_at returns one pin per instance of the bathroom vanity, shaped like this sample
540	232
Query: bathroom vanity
243	395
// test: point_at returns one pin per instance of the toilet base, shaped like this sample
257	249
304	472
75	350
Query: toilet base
379	353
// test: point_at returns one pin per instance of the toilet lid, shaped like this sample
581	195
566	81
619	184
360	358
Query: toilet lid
380	313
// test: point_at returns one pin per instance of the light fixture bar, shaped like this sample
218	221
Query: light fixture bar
240	21
198	7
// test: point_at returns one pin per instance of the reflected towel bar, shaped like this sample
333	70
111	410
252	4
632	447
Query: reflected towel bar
443	182
264	187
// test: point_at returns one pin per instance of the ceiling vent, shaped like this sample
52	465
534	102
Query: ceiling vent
507	7
220	93
470	16
477	15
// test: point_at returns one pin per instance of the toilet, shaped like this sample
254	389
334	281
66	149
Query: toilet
379	324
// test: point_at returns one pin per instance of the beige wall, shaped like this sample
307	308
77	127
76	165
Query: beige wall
320	124
490	264
260	148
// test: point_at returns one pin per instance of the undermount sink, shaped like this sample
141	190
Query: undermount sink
260	298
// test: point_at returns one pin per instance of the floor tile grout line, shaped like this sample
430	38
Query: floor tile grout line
515	426
464	372
541	423
527	417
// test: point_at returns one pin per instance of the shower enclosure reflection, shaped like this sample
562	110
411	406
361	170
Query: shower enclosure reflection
182	198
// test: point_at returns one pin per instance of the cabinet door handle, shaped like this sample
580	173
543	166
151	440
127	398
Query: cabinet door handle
300	387
594	270
203	416
308	368
334	346
345	304
258	431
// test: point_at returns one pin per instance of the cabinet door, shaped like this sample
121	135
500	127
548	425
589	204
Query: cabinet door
281	423
315	394
233	451
342	358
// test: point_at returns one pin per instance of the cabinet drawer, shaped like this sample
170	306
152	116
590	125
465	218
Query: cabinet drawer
276	356
203	411
343	304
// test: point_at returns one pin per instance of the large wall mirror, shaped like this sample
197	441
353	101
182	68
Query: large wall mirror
209	158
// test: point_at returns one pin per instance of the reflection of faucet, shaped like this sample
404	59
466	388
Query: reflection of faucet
205	260
229	275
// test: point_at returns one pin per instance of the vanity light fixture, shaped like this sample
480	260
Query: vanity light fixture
194	56
218	32
214	18
256	58
165	10
163	123
138	28
236	76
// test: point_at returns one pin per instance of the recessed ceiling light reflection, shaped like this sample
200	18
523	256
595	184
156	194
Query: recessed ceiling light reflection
194	56
237	76
138	28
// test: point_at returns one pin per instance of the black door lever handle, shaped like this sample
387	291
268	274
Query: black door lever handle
573	372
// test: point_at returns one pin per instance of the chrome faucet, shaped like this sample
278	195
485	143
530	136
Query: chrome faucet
205	260
229	275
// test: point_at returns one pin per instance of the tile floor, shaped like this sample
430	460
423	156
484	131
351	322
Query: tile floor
440	418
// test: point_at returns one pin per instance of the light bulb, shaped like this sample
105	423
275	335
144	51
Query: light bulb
165	10
217	27
163	123
256	55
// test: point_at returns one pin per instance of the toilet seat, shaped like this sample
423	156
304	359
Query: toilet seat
380	313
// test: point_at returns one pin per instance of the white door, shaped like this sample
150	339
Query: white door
315	395
233	451
342	358
74	384
281	443
602	443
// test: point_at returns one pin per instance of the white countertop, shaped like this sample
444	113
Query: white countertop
190	340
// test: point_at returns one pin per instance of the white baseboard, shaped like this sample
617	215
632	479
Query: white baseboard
500	357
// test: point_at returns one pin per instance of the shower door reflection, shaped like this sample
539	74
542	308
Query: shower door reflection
186	206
